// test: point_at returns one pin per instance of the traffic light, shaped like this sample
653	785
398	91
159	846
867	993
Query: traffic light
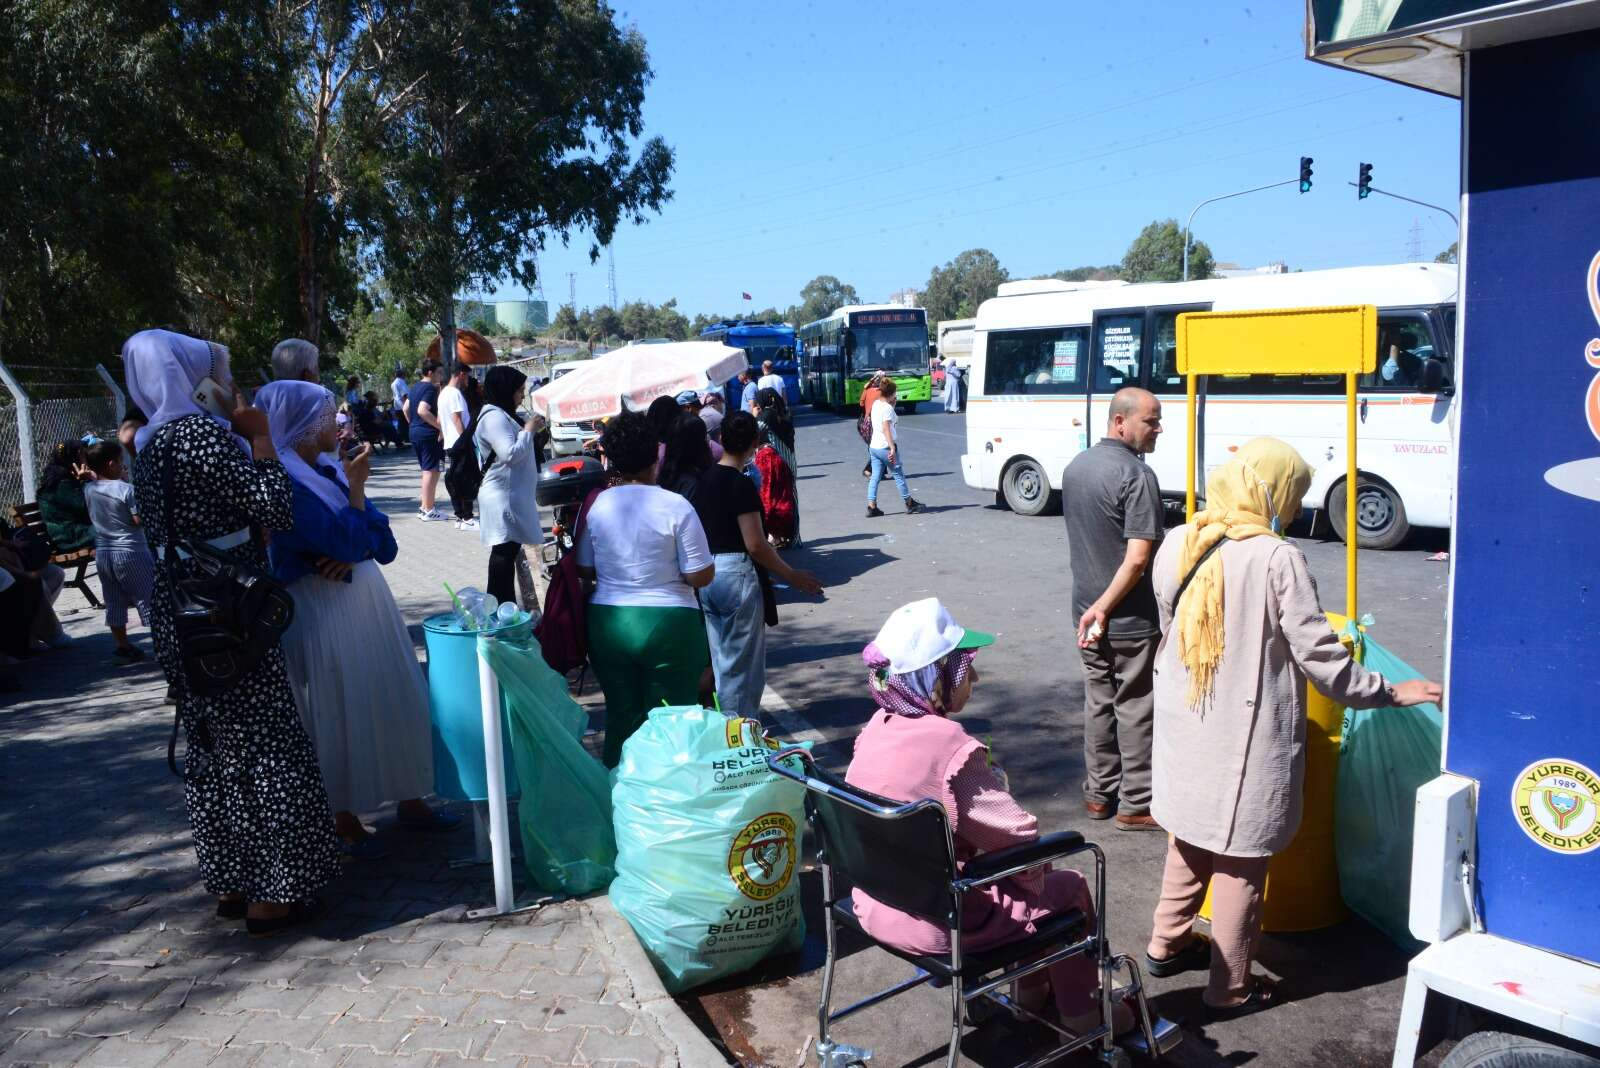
1305	174
1364	182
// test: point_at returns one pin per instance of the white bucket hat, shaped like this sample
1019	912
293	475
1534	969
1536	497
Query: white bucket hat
923	632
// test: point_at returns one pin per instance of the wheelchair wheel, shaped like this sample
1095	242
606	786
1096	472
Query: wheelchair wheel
1116	1057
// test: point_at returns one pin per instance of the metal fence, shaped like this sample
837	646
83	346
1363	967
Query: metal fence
41	406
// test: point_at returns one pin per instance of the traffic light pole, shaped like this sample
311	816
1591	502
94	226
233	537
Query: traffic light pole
1409	200
1213	200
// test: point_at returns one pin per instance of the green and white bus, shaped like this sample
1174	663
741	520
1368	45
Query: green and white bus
839	355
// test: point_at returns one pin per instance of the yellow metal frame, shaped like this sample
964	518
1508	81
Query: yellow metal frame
1284	341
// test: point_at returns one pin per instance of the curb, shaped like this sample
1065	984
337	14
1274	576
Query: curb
693	1048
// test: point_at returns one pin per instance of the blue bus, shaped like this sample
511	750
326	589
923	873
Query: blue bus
761	342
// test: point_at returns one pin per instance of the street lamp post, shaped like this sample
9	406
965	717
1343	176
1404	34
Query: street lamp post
1213	200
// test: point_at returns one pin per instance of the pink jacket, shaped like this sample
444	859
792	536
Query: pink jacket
906	758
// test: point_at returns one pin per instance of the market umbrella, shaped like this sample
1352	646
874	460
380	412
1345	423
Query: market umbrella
633	376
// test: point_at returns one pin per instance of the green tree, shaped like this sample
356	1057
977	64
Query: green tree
668	321
1448	255
334	45
1156	255
565	323
955	290
380	335
1089	274
520	125
701	321
136	189
820	296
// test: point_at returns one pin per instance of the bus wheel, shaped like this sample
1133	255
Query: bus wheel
1495	1049
1380	514
1026	489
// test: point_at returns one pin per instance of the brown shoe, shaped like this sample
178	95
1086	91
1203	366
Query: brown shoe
1096	811
1142	821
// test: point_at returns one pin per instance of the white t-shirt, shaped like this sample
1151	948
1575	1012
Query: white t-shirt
883	412
398	389
452	400
641	541
773	381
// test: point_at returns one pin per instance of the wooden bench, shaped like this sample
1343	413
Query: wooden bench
75	563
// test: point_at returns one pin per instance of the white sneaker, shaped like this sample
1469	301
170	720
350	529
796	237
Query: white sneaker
467	524
433	515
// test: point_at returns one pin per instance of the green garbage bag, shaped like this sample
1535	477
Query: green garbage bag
565	811
707	846
1384	756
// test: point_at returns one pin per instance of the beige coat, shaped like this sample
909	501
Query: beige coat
1231	780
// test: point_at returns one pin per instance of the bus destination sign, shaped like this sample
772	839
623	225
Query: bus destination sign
883	318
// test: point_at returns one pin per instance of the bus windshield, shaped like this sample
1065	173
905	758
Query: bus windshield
889	348
758	349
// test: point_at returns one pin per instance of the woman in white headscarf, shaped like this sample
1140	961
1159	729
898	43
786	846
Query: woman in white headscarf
352	665
262	829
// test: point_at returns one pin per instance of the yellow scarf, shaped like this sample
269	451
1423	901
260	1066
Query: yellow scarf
1265	479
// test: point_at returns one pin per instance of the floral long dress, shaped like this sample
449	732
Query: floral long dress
257	806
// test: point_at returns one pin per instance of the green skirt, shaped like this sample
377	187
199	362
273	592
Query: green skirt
644	657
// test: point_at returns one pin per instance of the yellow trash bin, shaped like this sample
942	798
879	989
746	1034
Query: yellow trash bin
1302	892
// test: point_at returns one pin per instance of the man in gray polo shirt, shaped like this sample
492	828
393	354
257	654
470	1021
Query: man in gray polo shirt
1112	504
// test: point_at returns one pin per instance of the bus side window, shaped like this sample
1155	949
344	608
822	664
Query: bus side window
1035	362
1164	376
1409	360
1117	357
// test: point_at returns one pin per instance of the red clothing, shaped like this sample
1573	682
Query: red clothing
780	508
906	758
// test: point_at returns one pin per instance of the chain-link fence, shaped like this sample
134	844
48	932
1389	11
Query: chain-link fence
40	406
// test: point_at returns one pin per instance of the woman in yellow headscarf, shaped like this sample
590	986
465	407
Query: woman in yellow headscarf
1242	632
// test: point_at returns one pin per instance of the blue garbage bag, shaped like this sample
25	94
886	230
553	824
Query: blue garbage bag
565	811
708	841
1384	756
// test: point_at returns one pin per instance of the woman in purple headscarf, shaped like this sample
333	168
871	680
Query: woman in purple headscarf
262	829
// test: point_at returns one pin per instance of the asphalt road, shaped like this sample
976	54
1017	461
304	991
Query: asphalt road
1009	574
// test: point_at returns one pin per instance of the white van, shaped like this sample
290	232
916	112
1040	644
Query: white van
1048	355
566	439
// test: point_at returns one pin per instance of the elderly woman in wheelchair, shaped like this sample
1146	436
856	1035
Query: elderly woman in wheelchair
949	873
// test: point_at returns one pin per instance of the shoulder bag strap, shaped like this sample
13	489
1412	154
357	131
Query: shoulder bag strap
1198	564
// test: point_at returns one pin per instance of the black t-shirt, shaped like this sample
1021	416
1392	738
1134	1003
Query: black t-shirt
424	392
725	495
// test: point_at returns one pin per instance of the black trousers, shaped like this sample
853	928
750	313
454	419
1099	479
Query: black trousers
503	572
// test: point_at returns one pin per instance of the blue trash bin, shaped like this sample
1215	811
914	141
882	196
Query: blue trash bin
456	709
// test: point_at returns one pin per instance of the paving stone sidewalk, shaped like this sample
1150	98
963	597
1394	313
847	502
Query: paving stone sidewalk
110	953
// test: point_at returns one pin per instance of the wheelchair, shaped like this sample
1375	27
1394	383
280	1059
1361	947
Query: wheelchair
903	855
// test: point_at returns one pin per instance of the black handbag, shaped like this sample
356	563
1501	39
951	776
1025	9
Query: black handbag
227	613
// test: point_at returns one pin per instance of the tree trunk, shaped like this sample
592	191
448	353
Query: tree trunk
447	334
310	283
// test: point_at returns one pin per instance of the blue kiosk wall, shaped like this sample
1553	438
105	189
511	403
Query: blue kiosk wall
1524	715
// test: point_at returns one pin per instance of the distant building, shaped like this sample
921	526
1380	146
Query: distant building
1233	270
522	316
906	298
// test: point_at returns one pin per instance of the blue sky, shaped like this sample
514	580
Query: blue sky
874	142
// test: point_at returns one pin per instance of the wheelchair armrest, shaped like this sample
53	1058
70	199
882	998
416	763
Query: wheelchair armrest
985	868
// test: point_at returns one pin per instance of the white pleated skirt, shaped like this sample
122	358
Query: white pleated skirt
359	689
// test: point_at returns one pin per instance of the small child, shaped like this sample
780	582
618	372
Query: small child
122	556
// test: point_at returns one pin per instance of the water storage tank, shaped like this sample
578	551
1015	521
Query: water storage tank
522	316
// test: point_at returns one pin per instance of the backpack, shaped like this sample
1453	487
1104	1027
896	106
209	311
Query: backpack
563	628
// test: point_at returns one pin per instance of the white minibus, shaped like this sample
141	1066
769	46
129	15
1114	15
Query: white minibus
1048	355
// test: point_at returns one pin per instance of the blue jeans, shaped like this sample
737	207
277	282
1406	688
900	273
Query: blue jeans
880	464
736	629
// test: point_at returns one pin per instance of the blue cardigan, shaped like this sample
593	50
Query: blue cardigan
348	535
